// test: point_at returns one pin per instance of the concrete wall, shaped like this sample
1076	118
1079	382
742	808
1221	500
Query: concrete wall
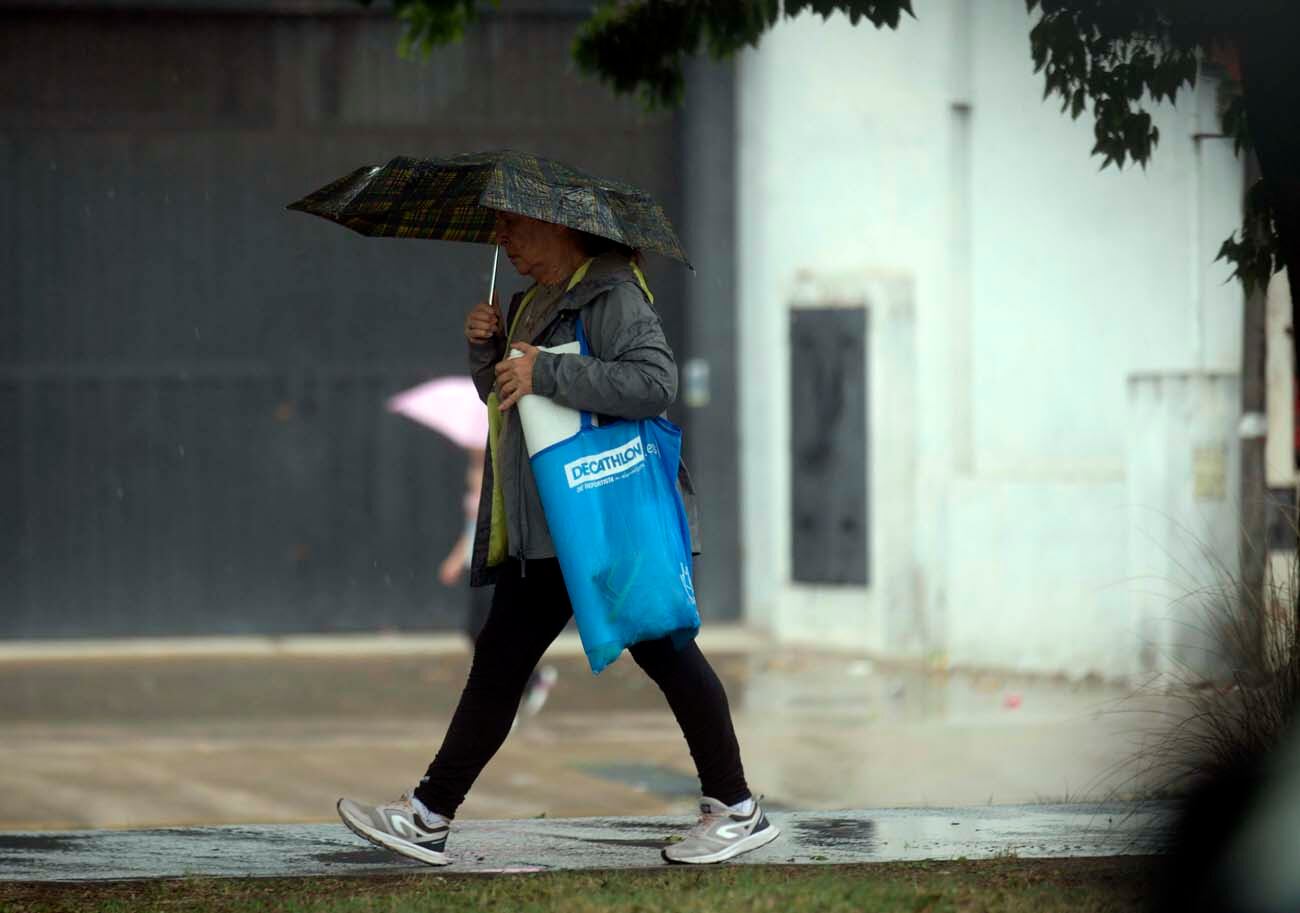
1183	453
1037	287
1279	461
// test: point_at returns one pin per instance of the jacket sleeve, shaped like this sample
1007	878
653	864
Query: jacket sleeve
483	358
630	373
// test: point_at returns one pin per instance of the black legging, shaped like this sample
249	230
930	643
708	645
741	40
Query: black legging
528	613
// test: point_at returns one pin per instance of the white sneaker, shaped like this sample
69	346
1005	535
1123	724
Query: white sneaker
397	826
721	834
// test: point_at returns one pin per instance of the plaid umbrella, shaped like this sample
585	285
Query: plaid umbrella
456	199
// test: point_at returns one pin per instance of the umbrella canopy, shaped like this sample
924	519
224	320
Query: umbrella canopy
457	199
448	405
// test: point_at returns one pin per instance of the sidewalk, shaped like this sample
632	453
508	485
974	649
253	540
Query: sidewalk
586	843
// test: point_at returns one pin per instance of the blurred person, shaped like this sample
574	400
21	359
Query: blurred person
631	374
451	406
456	566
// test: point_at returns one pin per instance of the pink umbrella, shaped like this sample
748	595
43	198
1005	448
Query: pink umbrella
448	405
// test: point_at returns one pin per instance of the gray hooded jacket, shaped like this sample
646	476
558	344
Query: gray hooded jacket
630	374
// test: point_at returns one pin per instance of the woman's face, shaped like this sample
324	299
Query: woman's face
536	248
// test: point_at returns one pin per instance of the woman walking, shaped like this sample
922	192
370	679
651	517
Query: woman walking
631	375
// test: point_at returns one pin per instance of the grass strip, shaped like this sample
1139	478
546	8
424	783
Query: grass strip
1114	885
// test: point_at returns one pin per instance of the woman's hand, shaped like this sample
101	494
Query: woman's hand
485	321
515	375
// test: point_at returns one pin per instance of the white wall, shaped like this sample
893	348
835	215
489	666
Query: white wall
1038	286
832	180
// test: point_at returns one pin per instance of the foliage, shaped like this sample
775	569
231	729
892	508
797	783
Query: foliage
1117	56
1257	256
1113	59
431	23
643	46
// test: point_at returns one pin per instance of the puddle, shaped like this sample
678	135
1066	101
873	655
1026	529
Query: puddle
664	782
838	833
206	833
360	857
38	842
827	687
612	841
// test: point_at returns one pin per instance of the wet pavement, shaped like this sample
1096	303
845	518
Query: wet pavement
275	737
586	843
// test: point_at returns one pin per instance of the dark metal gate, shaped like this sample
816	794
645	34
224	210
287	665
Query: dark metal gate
192	379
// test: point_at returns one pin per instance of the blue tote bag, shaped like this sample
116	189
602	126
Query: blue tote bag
618	523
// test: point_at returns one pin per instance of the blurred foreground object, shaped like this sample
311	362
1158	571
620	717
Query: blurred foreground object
1234	850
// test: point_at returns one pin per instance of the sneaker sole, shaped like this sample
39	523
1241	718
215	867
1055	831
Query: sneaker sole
752	842
391	843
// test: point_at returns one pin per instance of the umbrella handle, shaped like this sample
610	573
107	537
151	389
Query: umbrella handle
492	286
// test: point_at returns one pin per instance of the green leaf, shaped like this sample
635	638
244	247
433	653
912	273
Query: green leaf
1227	250
1079	104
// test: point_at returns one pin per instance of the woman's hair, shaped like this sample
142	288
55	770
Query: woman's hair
595	246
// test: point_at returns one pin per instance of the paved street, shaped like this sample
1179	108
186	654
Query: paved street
249	737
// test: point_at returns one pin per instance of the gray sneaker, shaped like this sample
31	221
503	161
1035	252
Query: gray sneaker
396	826
721	834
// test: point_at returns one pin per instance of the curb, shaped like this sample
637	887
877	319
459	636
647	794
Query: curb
714	638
